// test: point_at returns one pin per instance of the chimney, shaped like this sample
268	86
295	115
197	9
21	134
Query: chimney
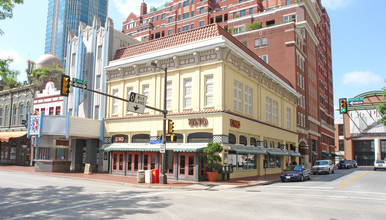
143	8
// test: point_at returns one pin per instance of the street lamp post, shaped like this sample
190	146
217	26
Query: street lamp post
163	178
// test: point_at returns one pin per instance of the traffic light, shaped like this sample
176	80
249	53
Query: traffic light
173	138
170	127
343	106
65	85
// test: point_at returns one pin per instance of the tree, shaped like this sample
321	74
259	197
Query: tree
212	159
6	9
40	76
254	26
382	108
8	77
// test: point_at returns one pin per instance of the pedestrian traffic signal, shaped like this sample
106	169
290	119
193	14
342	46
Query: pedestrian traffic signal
170	127
343	106
173	138
65	85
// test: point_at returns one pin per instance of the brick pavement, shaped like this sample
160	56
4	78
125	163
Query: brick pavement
172	184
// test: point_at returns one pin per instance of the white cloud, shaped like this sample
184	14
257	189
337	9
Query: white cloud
10	53
362	78
125	7
335	4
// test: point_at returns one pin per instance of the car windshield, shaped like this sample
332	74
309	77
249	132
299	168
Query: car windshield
321	163
294	168
380	161
343	161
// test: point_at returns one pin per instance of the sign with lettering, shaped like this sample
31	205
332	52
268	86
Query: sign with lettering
137	103
198	122
366	122
235	124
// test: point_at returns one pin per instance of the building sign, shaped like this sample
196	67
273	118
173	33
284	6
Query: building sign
62	143
198	122
34	125
235	124
366	122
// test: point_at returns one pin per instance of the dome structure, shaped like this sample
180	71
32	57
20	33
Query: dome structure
46	60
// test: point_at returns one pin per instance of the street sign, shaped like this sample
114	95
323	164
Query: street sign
357	99
79	83
155	141
137	103
355	103
162	149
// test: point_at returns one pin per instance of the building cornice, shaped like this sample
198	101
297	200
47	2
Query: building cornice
304	24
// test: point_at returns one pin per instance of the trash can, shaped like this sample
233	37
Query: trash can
155	174
140	176
148	176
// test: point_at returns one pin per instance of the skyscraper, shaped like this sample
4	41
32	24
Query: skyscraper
64	16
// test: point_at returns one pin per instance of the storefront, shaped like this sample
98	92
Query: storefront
14	147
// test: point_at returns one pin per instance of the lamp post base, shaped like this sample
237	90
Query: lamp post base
163	179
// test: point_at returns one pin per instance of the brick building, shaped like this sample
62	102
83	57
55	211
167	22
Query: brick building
292	36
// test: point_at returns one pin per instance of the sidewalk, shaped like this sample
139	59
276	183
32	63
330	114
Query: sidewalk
172	184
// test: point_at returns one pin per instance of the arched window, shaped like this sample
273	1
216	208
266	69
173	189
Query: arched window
14	118
243	140
232	138
252	141
140	138
200	137
1	116
21	113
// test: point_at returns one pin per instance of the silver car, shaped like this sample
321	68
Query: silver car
323	166
380	164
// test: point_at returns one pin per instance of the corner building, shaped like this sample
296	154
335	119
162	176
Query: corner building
217	91
293	37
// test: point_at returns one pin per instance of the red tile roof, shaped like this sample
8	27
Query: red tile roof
202	33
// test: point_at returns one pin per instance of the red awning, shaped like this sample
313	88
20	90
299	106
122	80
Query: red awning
5	136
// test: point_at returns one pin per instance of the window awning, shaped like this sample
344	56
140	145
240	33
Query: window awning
189	147
241	149
294	154
277	152
334	154
326	154
5	136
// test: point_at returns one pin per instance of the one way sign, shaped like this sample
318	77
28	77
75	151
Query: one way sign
137	103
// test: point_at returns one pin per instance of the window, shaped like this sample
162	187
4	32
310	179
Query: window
170	32
257	43
179	29
289	18
169	95
145	92
248	100
209	90
289	118
202	10
243	13
186	3
192	14
273	161
185	28
341	145
57	110
202	23
99	51
98	82
171	8
73	61
157	17
170	19
340	129
265	58
245	43
268	109
179	5
152	19
51	111
128	91
191	26
238	30
61	154
264	42
179	17
185	15
163	16
251	11
275	112
238	99
1	116
115	102
188	93
21	113
70	111
96	112
14	114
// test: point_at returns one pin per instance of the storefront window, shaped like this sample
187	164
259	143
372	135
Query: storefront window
200	137
43	153
232	138
273	161
191	165
61	154
242	161
140	138
252	141
182	164
243	140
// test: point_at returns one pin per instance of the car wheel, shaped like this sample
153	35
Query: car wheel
301	178
283	181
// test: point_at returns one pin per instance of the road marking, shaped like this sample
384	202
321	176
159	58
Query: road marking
352	180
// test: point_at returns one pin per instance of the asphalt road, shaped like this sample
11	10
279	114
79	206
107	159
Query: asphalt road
348	194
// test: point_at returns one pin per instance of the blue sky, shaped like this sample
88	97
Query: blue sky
357	31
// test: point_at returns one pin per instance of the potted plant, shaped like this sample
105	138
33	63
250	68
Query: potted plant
212	160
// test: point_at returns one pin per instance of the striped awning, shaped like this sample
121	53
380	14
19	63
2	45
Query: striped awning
5	136
242	149
142	147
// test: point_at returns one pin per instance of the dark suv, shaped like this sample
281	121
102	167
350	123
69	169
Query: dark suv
344	164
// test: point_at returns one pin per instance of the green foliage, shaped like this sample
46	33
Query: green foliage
6	9
254	26
212	159
40	75
382	108
236	16
229	30
9	77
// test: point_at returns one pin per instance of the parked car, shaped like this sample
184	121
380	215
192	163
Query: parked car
344	164
323	166
380	164
353	163
295	172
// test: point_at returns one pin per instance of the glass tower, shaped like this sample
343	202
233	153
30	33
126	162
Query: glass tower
64	16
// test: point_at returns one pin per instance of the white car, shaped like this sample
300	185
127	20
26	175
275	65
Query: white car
323	166
380	164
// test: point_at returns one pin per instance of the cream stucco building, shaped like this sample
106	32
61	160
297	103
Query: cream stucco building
217	91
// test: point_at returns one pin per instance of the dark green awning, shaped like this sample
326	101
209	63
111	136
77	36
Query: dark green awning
277	152
241	149
294	154
141	147
334	154
326	154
